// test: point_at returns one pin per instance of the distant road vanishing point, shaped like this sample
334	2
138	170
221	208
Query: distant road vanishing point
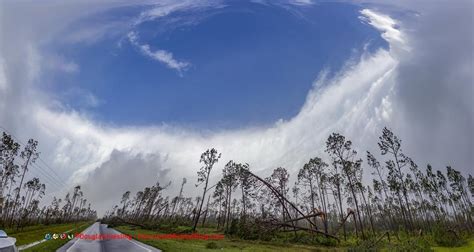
105	245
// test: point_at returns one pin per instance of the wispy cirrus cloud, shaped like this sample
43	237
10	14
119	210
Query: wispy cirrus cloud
57	62
301	2
164	8
162	56
386	25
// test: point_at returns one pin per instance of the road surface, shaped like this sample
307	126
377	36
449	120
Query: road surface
115	245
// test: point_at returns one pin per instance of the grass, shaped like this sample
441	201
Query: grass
35	233
226	244
229	244
53	245
466	248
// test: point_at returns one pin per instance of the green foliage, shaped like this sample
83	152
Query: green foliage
447	237
183	230
226	244
411	244
234	227
254	231
170	228
325	241
371	244
212	245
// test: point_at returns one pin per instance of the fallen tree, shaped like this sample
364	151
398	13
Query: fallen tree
282	200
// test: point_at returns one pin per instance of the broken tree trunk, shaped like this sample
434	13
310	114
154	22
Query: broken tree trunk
283	199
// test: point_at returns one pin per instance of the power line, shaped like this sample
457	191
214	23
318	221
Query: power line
57	181
34	172
47	166
42	160
47	177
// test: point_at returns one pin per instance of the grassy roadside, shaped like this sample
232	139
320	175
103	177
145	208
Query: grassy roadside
35	233
52	245
222	245
228	244
467	248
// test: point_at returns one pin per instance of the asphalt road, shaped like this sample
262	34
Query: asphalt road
115	245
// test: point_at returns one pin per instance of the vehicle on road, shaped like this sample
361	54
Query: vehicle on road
7	244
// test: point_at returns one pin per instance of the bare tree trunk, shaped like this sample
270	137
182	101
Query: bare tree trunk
205	212
312	202
202	202
341	211
369	212
229	196
19	188
219	214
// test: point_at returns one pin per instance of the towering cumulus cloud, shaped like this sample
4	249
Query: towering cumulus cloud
414	87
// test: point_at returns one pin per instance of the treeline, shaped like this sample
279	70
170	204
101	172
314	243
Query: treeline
331	198
20	200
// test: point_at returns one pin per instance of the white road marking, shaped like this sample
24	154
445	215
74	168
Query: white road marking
85	232
26	246
132	241
147	249
23	247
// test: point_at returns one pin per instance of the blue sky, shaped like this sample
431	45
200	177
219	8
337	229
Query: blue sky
249	64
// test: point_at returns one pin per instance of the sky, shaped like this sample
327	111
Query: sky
227	53
121	95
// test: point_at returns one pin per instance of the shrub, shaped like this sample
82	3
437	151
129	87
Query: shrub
212	245
417	244
233	228
447	237
366	245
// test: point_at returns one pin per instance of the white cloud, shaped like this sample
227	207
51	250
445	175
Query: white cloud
285	2
3	78
90	34
343	106
358	101
162	56
386	25
301	2
59	63
91	100
166	7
